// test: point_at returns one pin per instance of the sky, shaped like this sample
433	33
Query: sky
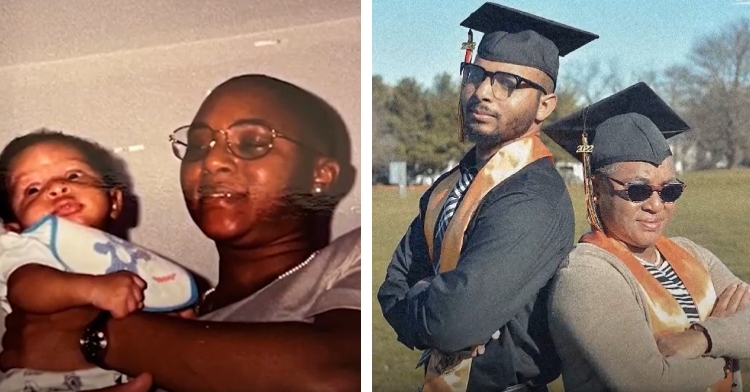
422	38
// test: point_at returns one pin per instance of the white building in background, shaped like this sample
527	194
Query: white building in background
571	172
683	155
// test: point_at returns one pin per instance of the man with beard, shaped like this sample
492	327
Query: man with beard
468	281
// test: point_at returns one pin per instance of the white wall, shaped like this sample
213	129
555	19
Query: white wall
122	92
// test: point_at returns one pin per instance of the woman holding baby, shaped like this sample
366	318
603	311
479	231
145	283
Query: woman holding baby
264	164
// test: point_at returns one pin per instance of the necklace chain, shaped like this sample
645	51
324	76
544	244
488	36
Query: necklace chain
284	275
655	263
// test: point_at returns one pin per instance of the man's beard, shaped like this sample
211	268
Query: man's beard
514	129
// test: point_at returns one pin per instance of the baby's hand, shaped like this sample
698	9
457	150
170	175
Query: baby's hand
121	293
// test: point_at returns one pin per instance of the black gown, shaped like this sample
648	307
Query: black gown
518	236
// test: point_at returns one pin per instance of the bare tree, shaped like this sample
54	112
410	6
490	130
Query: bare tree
714	90
593	80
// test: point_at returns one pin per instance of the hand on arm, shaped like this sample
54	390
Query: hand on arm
695	342
40	289
594	314
510	254
729	323
735	297
190	355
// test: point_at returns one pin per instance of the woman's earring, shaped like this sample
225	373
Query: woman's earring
317	188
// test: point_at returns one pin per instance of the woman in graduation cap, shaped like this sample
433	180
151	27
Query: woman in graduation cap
633	310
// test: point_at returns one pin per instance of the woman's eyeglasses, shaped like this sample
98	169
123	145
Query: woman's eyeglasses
246	139
641	192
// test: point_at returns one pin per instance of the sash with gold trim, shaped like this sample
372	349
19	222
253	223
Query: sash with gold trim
446	372
667	316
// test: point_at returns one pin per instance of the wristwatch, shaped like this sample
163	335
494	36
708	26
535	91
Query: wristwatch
93	342
700	328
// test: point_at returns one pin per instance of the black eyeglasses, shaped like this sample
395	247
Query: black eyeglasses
641	192
503	83
247	139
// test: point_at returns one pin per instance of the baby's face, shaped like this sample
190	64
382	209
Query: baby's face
52	178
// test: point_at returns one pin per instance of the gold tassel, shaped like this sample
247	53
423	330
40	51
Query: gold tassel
585	150
460	122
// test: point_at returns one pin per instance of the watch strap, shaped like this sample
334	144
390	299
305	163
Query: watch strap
702	329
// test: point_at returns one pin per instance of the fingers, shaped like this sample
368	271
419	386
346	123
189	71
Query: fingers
186	314
142	383
720	309
129	305
736	299
118	313
745	301
137	293
478	350
139	282
122	293
727	294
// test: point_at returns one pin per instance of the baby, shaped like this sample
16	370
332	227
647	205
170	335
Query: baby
59	198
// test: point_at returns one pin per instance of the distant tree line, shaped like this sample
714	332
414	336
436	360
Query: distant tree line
711	91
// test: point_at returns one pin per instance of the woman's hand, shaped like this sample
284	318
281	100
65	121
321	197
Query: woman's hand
734	298
689	344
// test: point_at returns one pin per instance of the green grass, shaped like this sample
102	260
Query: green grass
714	212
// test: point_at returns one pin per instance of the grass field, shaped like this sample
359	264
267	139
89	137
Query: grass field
713	212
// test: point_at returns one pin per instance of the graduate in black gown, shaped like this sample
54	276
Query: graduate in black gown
468	281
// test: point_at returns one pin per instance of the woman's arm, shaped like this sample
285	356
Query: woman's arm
186	355
728	334
594	313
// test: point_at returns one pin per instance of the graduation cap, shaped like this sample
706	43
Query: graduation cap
516	37
631	125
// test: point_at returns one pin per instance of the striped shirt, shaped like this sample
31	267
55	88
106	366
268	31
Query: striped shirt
669	279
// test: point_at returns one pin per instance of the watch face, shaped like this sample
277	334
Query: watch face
94	340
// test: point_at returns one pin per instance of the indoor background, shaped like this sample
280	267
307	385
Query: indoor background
126	76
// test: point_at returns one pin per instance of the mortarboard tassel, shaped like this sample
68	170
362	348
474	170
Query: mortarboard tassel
468	46
585	150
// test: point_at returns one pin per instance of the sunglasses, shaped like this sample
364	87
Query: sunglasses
641	192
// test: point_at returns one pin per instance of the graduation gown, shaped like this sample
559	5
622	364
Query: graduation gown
516	238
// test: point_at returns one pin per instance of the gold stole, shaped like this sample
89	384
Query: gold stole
509	160
666	314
